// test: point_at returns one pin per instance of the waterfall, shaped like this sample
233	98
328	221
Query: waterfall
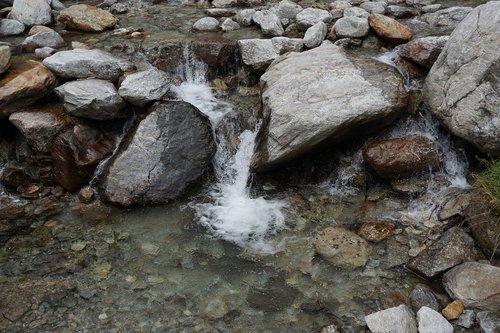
232	213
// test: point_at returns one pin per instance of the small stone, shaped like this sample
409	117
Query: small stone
229	25
206	24
397	319
215	309
44	52
150	249
102	271
130	278
422	295
453	310
430	321
467	318
86	195
377	7
315	35
103	316
375	231
118	8
78	246
44	38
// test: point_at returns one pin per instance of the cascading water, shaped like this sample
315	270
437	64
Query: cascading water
232	213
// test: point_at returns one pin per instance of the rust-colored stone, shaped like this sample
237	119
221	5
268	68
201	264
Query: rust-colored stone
375	231
453	310
389	29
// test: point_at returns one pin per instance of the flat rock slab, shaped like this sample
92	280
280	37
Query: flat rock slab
86	18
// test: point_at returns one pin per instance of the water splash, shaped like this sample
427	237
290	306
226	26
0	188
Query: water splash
232	213
344	184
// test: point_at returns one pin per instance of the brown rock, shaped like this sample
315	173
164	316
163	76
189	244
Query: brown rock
375	231
484	226
24	84
389	29
86	18
86	195
218	55
401	157
453	310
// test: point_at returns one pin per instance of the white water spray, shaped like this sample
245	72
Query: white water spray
232	213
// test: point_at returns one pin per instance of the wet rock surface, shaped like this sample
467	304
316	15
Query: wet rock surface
424	51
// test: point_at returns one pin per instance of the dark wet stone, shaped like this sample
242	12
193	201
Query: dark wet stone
275	296
375	231
14	176
422	295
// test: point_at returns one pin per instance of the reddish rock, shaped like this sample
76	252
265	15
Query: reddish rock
389	29
86	18
453	310
375	231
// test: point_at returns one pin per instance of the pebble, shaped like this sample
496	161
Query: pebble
102	271
150	249
453	310
78	246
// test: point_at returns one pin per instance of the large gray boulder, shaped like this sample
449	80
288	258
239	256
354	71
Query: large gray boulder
32	12
82	64
145	86
463	87
393	320
168	151
270	24
352	27
308	102
92	98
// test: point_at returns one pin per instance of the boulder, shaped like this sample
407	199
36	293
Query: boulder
229	25
285	44
24	84
82	64
446	19
454	247
306	103
92	99
315	35
86	18
355	12
401	157
310	16
475	285
5	56
32	12
44	38
462	88
341	247
76	153
39	127
389	29
171	147
401	11
393	320
144	87
484	226
431	321
423	51
351	27
9	27
288	10
270	24
206	24
244	17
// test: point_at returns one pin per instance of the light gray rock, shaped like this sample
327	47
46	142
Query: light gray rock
244	17
488	321
467	318
43	38
288	10
44	52
393	320
446	19
206	24
352	27
257	53
118	8
32	12
315	35
229	25
419	2
224	3
355	11
340	4
423	51
5	56
38	127
431	321
377	7
81	64
307	102
475	285
270	24
310	16
431	8
168	151
146	86
9	27
285	44
257	17
463	87
57	5
92	98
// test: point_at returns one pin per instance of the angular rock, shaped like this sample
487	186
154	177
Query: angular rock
310	16
39	127
342	247
446	19
307	103
24	84
475	285
44	52
206	24
453	248
455	206
257	53
244	17
462	88
10	27
44	38
5	56
285	44
144	87
401	157
288	10
355	12
315	35
86	18
423	296
92	99
374	7
32	12
401	11
375	231
224	3
389	29
453	310
431	321
229	25
168	151
82	64
423	51
488	321
351	27
76	153
467	318
484	226
398	319
270	24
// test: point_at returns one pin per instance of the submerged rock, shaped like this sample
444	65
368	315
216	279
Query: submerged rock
306	103
276	295
389	29
462	88
86	18
168	151
270	24
82	64
32	12
398	319
375	231
431	321
475	285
